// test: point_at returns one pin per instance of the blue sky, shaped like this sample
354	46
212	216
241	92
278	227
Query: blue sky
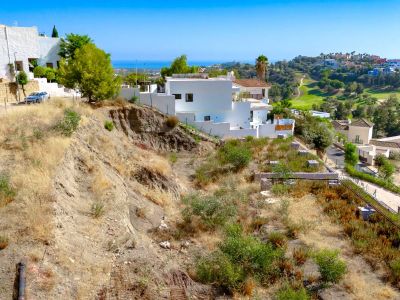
219	30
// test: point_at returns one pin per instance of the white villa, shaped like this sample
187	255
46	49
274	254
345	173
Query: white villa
359	132
20	46
218	106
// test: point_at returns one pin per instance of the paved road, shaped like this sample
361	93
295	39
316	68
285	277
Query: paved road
387	198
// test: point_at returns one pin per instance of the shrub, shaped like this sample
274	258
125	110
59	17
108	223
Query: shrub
235	154
330	266
213	211
7	193
367	177
216	268
3	242
288	293
97	209
172	121
280	189
173	158
109	125
134	99
350	154
255	257
395	269
277	239
69	123
300	255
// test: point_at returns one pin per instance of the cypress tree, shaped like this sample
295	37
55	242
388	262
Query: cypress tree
54	34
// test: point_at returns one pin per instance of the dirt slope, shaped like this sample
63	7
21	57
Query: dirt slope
109	192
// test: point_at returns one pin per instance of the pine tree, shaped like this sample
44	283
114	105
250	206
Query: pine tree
54	34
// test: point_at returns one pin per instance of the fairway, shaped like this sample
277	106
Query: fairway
310	94
382	94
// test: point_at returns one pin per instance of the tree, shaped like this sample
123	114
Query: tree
274	93
350	154
385	168
50	74
22	79
54	33
322	137
261	67
71	43
179	66
91	72
39	72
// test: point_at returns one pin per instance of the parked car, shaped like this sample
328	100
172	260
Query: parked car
37	97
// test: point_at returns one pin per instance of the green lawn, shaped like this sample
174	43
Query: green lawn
310	94
382	94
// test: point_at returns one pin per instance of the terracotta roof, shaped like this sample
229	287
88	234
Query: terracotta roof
340	124
385	144
251	83
362	123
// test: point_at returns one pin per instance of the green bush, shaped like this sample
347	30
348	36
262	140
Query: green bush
213	211
97	209
395	269
234	154
69	123
134	99
280	189
350	154
277	239
109	125
216	268
288	293
7	193
255	257
239	257
173	158
330	266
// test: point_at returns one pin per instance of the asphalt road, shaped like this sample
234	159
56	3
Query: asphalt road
336	155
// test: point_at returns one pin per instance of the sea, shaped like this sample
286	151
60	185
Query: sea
156	65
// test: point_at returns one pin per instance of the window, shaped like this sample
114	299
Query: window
207	118
19	66
189	97
49	65
263	92
177	96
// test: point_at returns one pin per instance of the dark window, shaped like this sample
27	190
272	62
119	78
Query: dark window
207	118
19	66
177	96
263	92
49	65
189	97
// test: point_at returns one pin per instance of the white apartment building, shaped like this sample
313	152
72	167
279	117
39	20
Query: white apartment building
20	46
213	105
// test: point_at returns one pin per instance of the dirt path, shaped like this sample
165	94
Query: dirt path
298	88
360	282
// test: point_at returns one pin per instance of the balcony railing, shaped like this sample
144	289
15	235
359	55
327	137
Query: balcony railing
358	141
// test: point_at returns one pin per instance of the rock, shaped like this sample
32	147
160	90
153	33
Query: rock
310	270
165	245
163	225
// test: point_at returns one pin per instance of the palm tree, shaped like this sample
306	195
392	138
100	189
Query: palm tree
261	67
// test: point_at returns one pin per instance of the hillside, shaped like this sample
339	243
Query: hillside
144	210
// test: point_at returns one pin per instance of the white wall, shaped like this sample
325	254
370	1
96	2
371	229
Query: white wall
365	133
163	103
209	95
25	43
239	115
128	93
260	116
49	48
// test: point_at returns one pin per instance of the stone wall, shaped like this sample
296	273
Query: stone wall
8	91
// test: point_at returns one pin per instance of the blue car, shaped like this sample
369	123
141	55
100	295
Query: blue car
36	97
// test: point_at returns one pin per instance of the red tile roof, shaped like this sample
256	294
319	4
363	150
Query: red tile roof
362	123
251	83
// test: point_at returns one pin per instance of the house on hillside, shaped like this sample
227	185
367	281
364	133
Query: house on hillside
252	88
214	106
359	132
22	47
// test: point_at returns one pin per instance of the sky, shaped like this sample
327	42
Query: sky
218	30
